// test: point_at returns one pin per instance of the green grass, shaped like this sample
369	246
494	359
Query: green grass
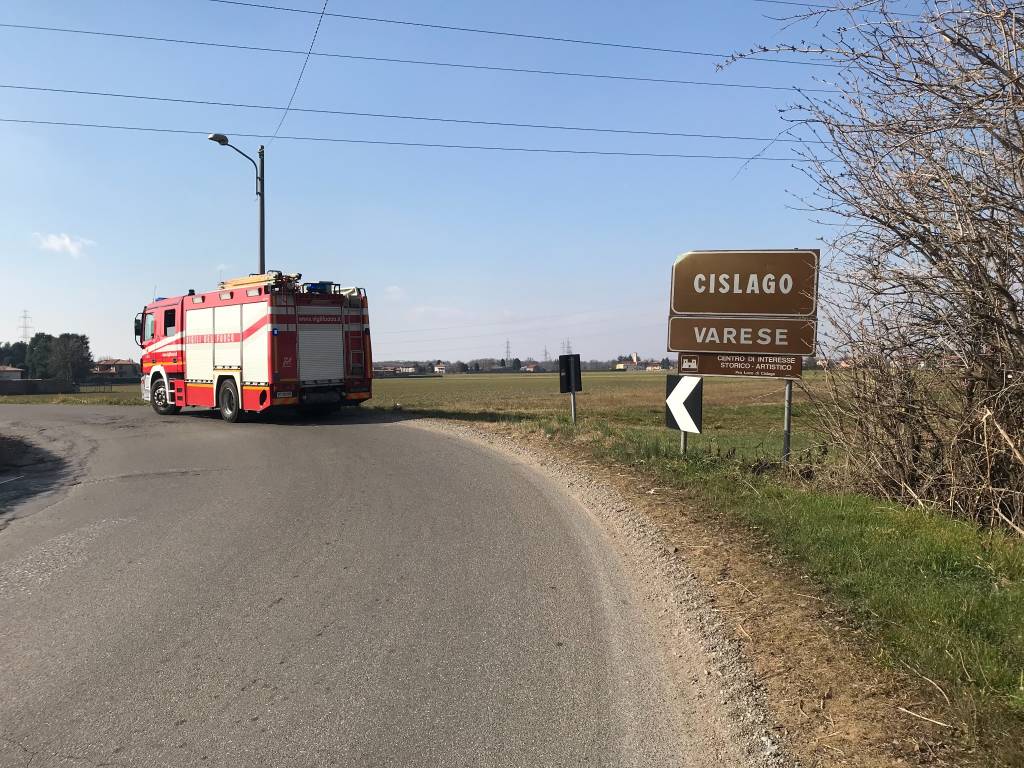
939	594
936	594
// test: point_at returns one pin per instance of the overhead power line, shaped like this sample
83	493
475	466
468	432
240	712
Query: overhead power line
349	113
421	62
335	140
520	35
305	63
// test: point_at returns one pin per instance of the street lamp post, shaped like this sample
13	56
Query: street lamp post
223	140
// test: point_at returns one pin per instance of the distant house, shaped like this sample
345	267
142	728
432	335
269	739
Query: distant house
391	371
9	372
532	368
634	363
114	368
440	368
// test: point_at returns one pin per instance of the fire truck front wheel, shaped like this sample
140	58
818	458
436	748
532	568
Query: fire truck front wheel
158	398
228	402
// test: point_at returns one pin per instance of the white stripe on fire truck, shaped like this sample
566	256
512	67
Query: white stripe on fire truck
164	342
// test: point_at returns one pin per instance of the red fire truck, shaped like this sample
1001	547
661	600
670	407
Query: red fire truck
257	342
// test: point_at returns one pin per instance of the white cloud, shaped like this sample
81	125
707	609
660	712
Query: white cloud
62	243
394	293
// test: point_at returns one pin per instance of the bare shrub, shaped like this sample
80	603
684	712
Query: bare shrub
919	174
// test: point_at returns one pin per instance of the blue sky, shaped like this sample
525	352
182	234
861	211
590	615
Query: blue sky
458	249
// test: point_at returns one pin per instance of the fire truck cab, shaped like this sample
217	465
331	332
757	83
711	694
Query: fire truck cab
255	343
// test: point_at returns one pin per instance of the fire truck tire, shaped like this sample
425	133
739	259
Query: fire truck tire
228	402
158	399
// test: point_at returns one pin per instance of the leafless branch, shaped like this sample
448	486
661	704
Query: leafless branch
922	162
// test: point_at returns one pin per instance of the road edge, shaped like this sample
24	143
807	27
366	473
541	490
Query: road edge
55	463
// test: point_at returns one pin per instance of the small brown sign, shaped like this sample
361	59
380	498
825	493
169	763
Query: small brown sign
765	366
741	335
771	283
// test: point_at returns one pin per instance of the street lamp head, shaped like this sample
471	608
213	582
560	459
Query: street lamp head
220	138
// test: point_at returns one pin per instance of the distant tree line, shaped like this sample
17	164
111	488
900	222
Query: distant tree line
496	364
66	356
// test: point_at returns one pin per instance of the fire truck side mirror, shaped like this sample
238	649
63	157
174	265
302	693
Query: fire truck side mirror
138	329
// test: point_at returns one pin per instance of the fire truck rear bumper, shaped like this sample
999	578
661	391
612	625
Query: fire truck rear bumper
319	396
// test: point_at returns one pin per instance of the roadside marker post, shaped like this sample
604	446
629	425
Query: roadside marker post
569	380
684	405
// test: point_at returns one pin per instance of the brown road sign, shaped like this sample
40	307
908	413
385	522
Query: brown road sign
767	366
741	335
772	283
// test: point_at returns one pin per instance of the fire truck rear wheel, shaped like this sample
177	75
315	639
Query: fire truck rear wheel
159	400
227	401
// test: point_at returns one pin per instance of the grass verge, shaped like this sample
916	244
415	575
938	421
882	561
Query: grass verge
937	595
122	394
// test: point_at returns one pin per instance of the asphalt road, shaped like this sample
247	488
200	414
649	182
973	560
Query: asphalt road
293	594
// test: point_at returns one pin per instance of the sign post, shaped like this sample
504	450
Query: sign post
787	421
745	313
569	380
